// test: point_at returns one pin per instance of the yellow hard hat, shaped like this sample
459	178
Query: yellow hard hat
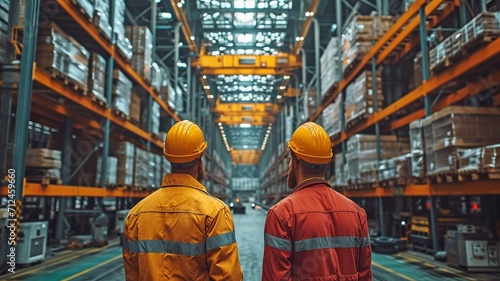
184	142
311	143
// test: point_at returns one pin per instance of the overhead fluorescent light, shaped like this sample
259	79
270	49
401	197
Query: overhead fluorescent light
245	125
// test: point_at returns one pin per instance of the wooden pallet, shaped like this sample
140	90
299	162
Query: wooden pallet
329	92
443	177
480	174
77	86
98	101
82	10
394	182
78	246
121	114
44	180
335	136
356	120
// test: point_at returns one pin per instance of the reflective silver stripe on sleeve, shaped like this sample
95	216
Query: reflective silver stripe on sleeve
278	243
331	242
164	246
218	241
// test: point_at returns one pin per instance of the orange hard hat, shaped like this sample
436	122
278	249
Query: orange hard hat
184	142
311	143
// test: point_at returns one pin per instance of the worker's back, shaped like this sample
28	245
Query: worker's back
328	235
168	236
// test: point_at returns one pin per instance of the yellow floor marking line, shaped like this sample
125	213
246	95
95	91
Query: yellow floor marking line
392	271
59	260
92	268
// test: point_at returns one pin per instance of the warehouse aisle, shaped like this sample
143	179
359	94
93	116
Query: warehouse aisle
106	264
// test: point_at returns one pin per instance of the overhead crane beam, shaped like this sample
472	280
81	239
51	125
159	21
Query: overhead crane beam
313	6
181	17
246	108
281	64
248	157
254	120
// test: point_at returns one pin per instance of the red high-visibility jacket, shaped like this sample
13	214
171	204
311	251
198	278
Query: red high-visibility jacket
316	234
180	232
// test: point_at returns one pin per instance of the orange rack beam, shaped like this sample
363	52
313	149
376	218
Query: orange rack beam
482	187
480	56
398	25
45	79
94	33
37	189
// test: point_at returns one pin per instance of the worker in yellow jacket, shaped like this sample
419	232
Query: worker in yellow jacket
180	232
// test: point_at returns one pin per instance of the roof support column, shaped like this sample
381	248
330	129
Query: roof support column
428	112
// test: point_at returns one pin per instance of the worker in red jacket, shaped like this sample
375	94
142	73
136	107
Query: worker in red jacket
315	233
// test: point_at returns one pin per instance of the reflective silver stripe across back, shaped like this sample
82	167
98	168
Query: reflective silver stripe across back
179	248
218	241
164	246
278	243
331	242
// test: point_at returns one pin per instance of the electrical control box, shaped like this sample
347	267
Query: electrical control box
32	242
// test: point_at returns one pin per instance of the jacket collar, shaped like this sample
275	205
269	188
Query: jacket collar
309	182
182	180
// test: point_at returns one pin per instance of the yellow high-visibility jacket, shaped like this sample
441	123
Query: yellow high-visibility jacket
180	232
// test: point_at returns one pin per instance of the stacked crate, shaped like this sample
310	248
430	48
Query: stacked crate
63	56
340	176
86	7
124	153
136	97
151	171
417	149
101	17
141	167
359	35
43	165
331	117
164	94
122	41
156	77
6	53
154	112
330	68
122	88
111	171
142	43
158	170
97	77
448	131
361	156
483	28
481	162
78	64
360	102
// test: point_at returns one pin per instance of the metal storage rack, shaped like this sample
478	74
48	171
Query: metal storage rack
393	46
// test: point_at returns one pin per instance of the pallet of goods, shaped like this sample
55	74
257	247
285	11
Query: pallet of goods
122	88
330	68
360	98
125	155
359	36
110	177
142	42
97	79
125	48
452	129
331	119
479	163
101	17
361	158
43	165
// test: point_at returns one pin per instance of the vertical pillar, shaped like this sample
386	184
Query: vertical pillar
428	111
317	63
65	172
189	109
32	12
304	83
178	98
7	89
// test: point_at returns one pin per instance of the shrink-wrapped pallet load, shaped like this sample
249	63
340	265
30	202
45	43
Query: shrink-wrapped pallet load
454	128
